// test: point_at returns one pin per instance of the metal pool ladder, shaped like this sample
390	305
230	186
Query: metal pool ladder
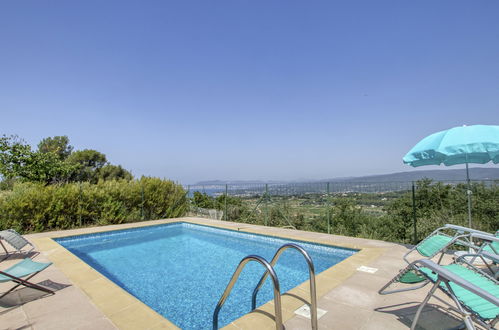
277	294
311	273
235	276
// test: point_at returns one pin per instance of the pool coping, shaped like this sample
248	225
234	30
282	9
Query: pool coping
128	312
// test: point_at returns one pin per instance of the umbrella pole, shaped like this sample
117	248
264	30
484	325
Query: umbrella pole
468	192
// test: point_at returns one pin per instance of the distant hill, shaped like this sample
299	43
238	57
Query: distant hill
476	173
235	182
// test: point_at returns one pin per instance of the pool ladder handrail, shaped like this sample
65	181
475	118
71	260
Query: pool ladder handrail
235	276
311	271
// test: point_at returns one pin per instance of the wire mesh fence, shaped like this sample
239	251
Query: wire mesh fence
396	211
393	211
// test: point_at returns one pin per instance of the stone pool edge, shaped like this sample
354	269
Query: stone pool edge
127	312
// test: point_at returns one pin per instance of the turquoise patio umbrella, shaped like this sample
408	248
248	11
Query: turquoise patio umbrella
477	144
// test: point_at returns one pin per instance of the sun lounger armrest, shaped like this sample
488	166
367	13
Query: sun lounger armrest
488	238
489	241
447	275
488	255
465	229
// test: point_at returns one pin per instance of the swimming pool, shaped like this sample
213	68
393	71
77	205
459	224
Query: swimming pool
181	269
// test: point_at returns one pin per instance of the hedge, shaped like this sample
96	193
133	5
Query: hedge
32	207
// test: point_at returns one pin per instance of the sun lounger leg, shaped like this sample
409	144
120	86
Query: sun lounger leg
28	284
5	249
423	304
397	278
469	323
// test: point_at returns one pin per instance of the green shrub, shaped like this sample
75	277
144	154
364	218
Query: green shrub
32	207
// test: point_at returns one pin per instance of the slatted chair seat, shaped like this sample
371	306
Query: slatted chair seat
14	239
433	244
21	272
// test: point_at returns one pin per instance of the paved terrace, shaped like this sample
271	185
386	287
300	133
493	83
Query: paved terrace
86	300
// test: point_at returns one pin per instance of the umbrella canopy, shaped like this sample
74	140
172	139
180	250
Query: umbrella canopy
459	145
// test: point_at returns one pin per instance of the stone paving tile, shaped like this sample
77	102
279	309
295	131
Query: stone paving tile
13	318
135	316
354	295
73	316
97	324
69	296
297	322
69	308
401	316
256	320
341	316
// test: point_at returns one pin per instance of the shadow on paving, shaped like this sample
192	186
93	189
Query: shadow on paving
26	295
18	255
296	297
433	317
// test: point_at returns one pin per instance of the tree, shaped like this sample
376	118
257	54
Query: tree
54	162
203	200
18	161
14	153
58	145
89	162
46	168
114	172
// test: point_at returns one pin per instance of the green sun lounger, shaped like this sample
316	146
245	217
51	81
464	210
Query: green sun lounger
441	239
15	240
492	246
437	243
489	244
26	269
474	293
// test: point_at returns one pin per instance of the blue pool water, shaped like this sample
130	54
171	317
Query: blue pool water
180	270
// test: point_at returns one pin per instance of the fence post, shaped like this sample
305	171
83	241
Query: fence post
328	206
226	195
79	204
415	239
266	203
189	204
142	204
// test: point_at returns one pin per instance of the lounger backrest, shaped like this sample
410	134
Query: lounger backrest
13	238
493	247
433	245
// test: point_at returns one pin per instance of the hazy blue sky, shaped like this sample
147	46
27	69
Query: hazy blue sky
245	89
